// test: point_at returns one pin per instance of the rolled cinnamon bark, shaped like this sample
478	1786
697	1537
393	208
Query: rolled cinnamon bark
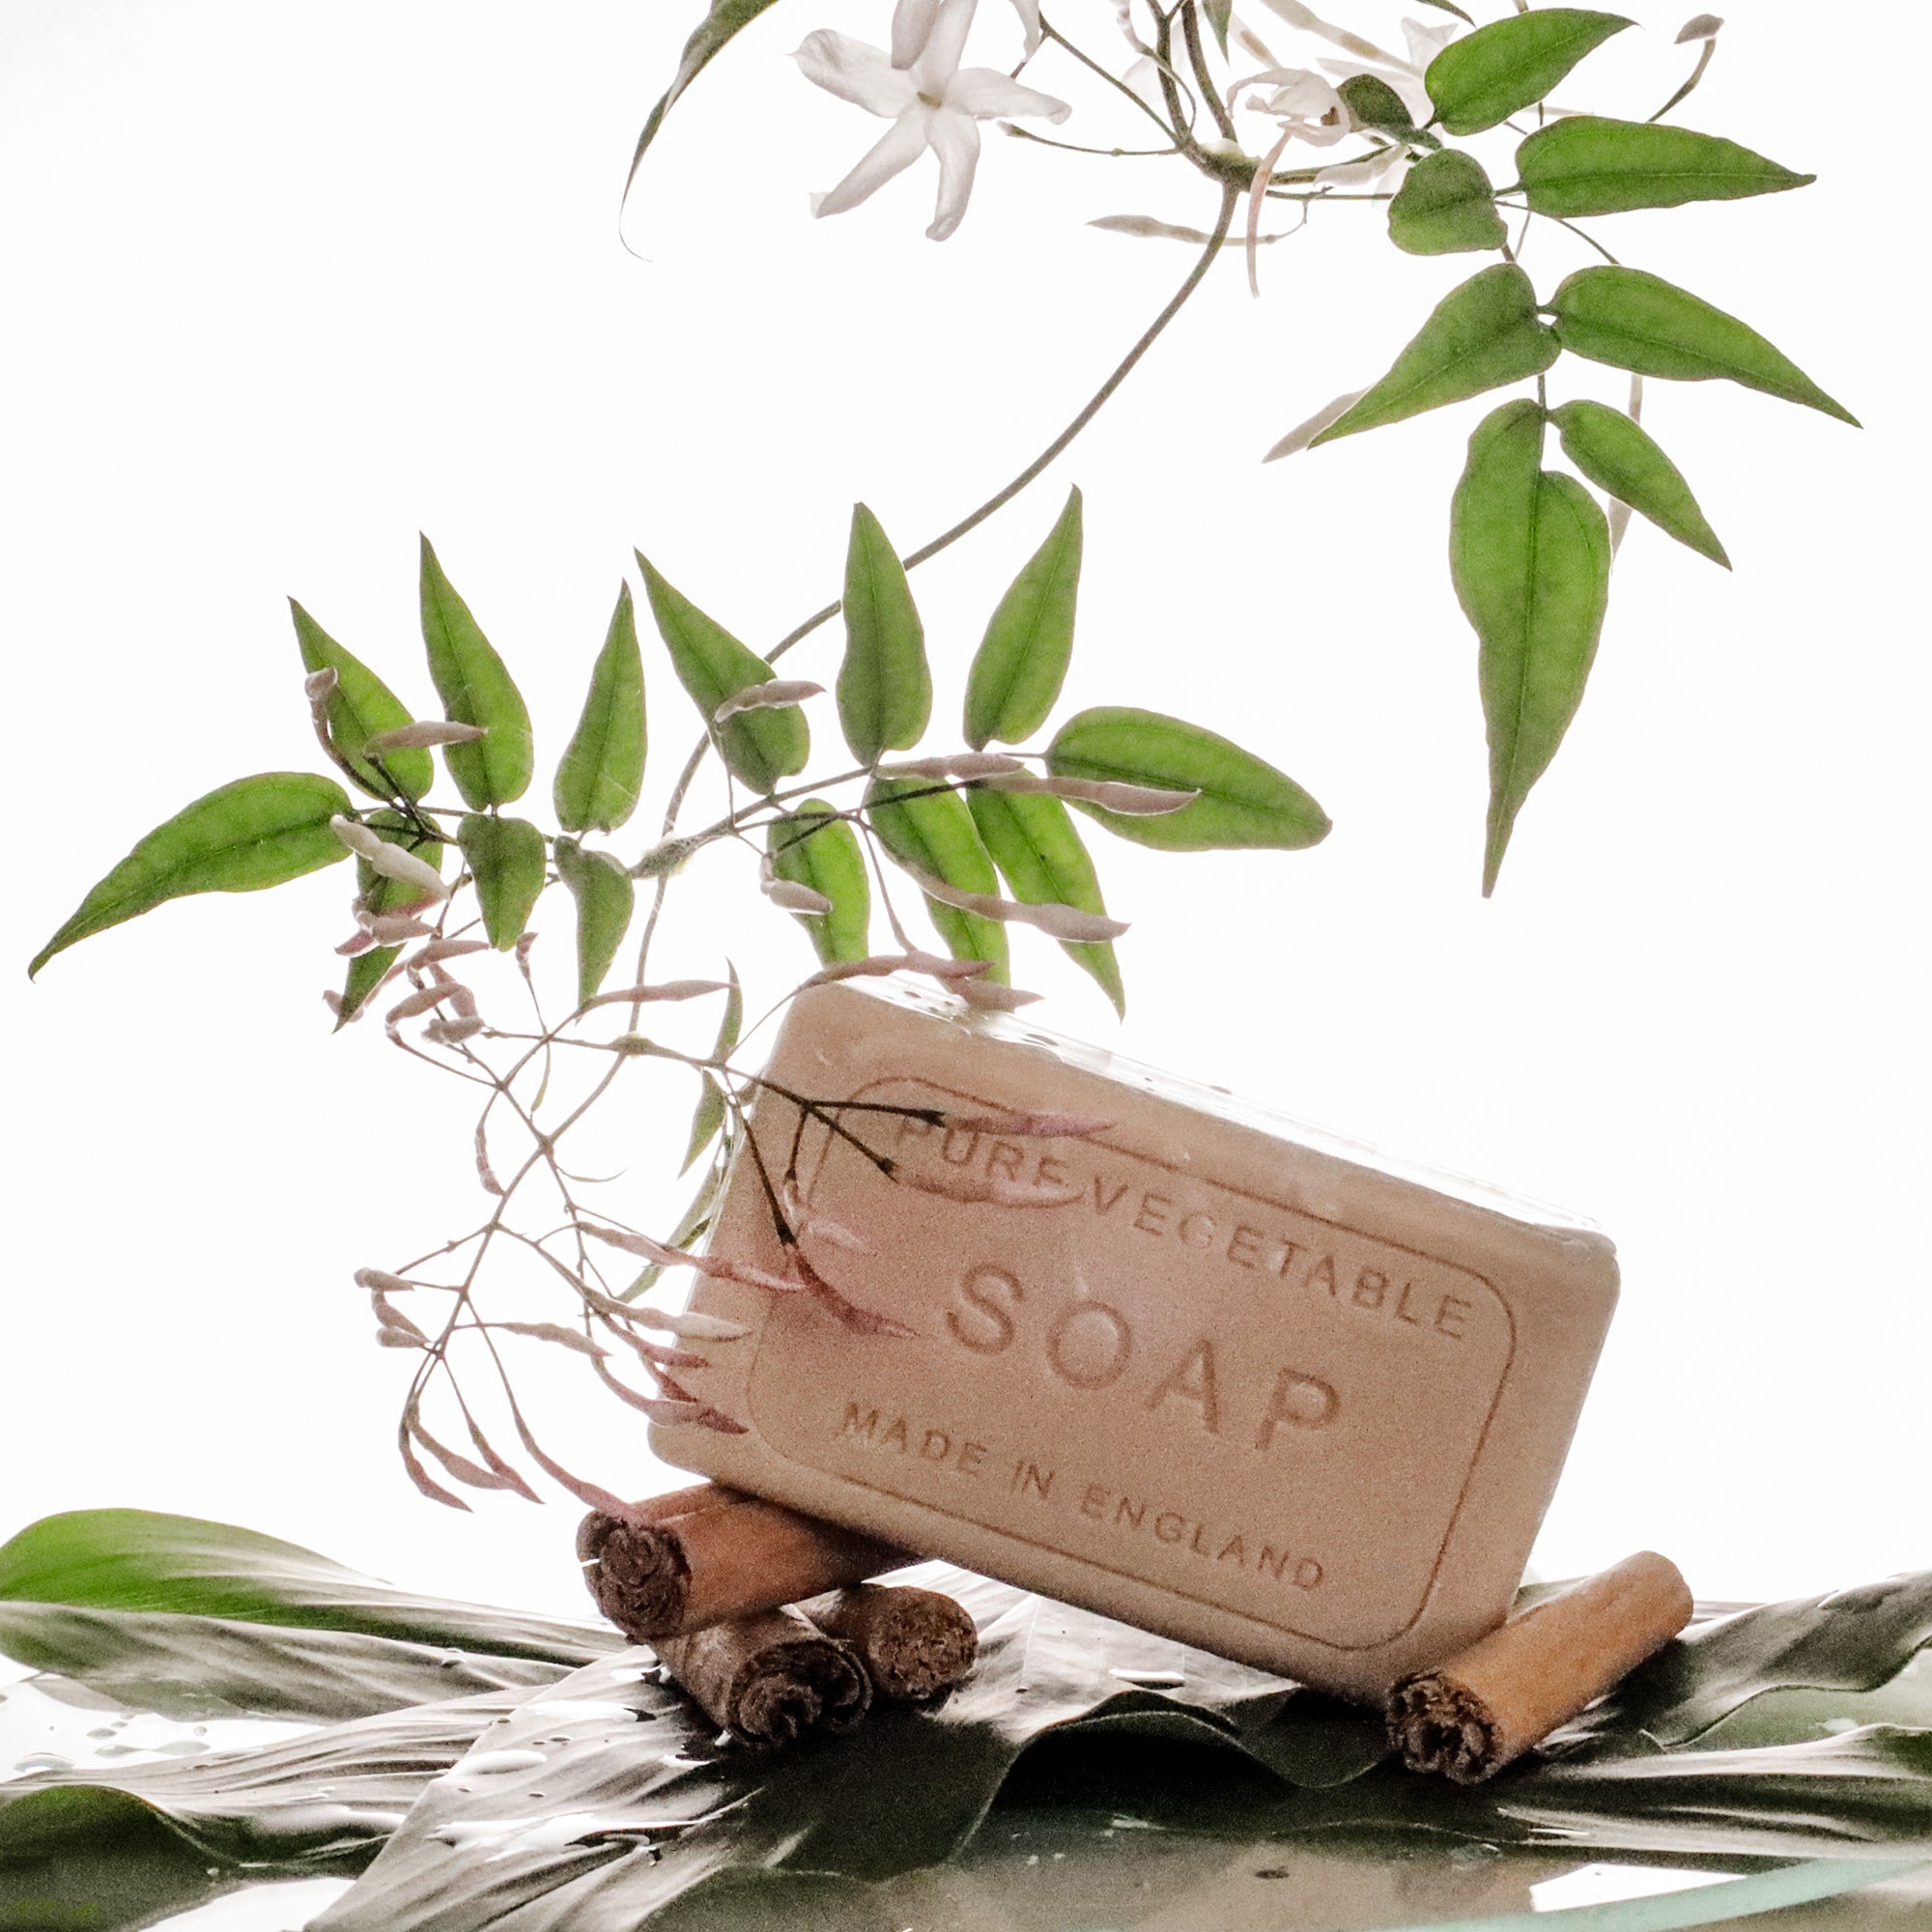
708	1554
914	1644
1471	1716
771	1678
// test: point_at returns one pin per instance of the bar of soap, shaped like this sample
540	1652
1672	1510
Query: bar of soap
1207	1372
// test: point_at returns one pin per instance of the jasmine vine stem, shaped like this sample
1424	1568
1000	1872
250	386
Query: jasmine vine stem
1051	32
1197	58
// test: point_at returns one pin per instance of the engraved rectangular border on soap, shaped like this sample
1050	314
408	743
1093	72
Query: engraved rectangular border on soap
803	1376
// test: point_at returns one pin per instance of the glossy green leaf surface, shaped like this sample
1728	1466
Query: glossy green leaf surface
382	895
932	831
359	706
506	859
724	20
885	686
1021	663
1586	165
708	1117
1635	321
477	688
1034	842
760	746
1244	801
240	838
1480	336
596	786
1372	102
812	846
1529	552
1445	206
1619	456
1486	77
606	896
119	1559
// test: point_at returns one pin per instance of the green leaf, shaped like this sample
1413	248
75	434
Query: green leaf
1482	336
709	1115
605	896
368	969
1375	103
931	831
1021	662
240	838
1530	555
813	846
693	1224
1220	12
507	861
885	688
196	1668
1619	456
712	35
1033	841
760	746
1635	321
118	1559
476	688
1243	802
597	783
1585	164
1486	77
1445	206
359	706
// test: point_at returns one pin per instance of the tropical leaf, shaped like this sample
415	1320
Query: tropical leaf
507	861
1585	164
761	746
1243	803
1021	662
885	686
712	34
359	706
118	1559
709	1115
813	846
1033	841
596	788
1445	206
1618	455
1486	77
380	894
1530	555
240	838
606	896
929	829
476	688
1482	336
1635	321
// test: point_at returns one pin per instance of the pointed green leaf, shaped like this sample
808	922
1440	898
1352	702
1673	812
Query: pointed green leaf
258	832
709	1115
1486	77
813	846
1220	12
1482	336
605	896
597	783
1619	456
932	832
476	688
693	1224
1033	841
712	34
1244	801
506	860
1445	206
1585	164
359	706
1530	555
1374	103
885	688
1021	662
760	746
1635	321
368	969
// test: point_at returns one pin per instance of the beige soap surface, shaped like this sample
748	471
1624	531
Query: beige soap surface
1203	1370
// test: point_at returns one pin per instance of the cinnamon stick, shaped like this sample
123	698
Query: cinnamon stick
709	1553
771	1678
915	1643
1471	1716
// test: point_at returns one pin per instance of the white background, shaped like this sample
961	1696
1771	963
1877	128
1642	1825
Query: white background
285	285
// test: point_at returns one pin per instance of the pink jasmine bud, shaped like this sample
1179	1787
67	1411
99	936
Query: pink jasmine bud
761	696
332	1000
701	1327
1699	27
392	862
453	1032
317	686
1066	922
357	942
390	929
412	1003
795	897
552	1331
485	1173
671	989
955	765
397	1338
392	1318
380	1280
989	997
440	950
421	733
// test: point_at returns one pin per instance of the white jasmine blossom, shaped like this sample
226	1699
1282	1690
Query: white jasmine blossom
1307	106
932	102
